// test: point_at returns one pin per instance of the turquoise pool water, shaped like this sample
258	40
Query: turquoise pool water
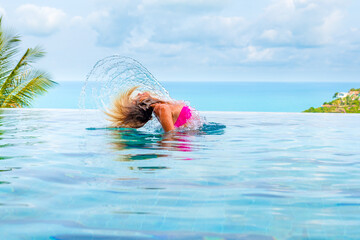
264	176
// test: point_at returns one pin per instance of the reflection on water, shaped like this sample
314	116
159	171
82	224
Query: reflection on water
151	146
148	146
177	141
126	138
261	175
163	235
139	157
2	131
151	168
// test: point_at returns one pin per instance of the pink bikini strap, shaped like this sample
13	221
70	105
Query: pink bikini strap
184	116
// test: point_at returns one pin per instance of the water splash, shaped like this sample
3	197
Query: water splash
115	74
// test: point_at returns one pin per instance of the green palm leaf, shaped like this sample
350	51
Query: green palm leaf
30	55
20	82
8	49
32	84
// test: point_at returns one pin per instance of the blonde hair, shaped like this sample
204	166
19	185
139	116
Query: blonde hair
129	113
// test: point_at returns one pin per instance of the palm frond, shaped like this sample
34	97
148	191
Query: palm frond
19	81
30	56
8	45
35	83
8	49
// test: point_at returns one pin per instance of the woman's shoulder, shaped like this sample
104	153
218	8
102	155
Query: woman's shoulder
168	106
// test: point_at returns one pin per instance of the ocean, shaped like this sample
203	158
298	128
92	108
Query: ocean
222	96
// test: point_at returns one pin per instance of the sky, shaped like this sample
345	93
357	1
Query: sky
195	40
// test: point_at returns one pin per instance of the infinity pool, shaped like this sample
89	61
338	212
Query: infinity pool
264	176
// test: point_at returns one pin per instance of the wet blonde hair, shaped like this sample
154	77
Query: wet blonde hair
130	113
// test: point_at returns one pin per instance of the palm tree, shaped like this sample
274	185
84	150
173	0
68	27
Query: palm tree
19	81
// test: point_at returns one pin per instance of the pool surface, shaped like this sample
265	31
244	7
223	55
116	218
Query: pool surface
264	176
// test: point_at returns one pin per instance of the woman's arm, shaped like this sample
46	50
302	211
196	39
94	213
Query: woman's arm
164	114
146	95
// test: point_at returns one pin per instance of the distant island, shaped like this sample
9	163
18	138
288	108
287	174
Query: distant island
345	102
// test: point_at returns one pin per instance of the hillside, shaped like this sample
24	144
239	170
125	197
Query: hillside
344	103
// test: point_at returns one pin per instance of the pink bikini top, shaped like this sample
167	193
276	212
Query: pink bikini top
184	116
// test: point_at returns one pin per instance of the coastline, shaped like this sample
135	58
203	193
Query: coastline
201	112
216	96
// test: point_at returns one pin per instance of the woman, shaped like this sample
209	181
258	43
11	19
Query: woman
134	111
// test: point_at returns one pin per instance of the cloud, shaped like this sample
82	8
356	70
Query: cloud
163	21
2	12
300	23
179	7
213	31
329	29
113	26
77	20
40	21
255	54
285	32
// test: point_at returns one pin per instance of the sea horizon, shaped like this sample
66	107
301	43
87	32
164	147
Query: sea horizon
219	96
